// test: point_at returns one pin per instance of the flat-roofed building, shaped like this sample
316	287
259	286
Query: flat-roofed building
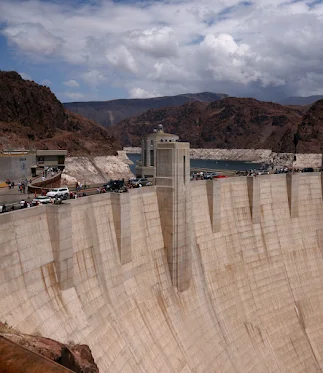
21	164
146	167
51	158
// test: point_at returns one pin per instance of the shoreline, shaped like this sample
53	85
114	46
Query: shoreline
251	155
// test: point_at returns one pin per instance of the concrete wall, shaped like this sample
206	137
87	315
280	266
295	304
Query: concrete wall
15	168
255	300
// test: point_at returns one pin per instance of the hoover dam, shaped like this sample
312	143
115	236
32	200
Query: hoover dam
202	276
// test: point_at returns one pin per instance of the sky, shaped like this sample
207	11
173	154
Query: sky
87	50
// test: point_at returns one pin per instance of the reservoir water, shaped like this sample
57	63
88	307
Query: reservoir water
207	163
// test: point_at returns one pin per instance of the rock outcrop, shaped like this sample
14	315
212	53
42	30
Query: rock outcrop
92	170
32	117
75	357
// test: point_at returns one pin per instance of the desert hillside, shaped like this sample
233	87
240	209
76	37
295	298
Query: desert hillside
310	129
32	117
229	123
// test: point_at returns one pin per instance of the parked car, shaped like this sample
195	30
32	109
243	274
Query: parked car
41	200
3	208
308	169
263	172
142	181
210	175
115	186
58	192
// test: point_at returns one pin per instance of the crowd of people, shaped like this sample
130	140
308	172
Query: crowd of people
21	185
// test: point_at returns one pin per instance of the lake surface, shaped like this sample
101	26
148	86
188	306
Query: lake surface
207	163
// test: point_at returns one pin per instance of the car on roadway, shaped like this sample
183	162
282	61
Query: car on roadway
115	186
41	200
210	175
308	169
142	181
58	192
263	172
3	208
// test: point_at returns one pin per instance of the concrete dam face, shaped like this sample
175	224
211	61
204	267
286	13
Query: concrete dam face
217	276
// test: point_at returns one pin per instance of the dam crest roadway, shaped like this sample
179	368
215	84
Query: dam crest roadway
217	275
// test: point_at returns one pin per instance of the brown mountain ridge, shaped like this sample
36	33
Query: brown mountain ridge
32	117
111	112
229	123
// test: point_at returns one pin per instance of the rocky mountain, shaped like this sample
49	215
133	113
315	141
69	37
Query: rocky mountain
300	100
229	123
32	117
111	112
310	130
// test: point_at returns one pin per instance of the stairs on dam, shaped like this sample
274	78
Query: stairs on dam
203	276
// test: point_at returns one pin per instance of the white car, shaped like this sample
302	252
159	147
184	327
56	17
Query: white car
41	200
58	192
3	208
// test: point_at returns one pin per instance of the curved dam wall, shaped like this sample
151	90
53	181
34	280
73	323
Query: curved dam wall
95	271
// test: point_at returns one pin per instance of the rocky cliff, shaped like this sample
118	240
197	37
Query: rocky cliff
229	123
32	117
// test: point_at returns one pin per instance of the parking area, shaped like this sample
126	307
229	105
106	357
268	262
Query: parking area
12	199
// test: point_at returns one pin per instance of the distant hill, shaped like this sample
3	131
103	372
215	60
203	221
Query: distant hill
310	129
300	100
32	117
111	112
229	123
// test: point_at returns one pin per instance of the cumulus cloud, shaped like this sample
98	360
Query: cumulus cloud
33	38
142	93
94	78
263	48
73	95
25	76
71	83
158	42
46	82
122	59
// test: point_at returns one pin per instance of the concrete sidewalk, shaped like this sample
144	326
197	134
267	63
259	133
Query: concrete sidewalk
12	195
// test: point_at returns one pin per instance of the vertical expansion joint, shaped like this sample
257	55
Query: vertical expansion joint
60	231
292	182
174	200
253	185
214	202
121	210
